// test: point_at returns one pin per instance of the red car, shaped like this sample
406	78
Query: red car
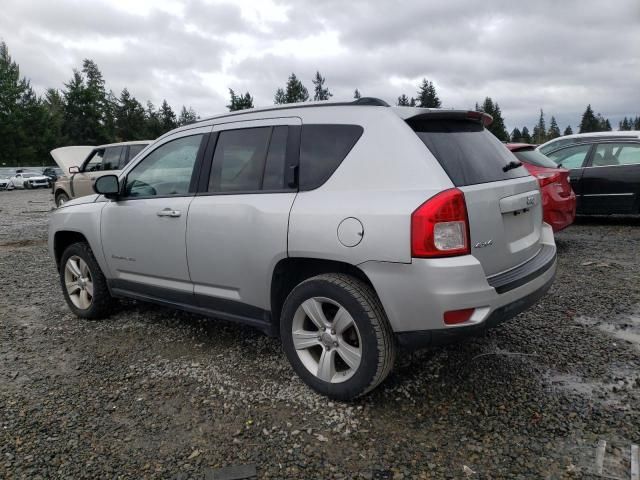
558	199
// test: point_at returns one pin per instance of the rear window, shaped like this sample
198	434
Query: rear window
533	157
467	152
322	150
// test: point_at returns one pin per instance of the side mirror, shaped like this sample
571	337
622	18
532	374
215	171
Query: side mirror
108	186
74	169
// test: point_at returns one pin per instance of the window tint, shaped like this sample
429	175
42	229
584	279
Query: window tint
616	154
111	158
133	151
467	152
571	157
276	158
239	160
322	150
95	162
165	171
533	157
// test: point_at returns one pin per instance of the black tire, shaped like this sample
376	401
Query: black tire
102	302
26	185
61	197
377	340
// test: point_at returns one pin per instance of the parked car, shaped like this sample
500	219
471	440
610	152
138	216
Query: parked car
567	140
52	173
83	165
348	229
25	179
5	183
558	199
604	174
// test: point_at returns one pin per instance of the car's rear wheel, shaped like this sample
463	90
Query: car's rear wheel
84	286
61	199
336	336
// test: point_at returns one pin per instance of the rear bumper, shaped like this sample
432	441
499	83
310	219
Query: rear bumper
558	211
415	296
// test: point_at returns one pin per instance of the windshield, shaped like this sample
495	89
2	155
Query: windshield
533	157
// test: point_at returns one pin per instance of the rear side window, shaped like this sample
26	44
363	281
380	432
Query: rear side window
133	151
467	152
322	150
533	157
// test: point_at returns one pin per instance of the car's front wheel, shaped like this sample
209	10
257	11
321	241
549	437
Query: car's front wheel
61	199
336	336
83	283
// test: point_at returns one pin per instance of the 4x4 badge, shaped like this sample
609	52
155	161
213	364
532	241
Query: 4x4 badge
488	243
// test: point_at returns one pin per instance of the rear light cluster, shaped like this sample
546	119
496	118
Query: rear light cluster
440	226
547	178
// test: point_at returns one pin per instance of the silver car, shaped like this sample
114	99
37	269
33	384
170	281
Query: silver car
346	229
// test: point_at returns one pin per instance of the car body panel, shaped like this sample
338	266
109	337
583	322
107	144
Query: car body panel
558	198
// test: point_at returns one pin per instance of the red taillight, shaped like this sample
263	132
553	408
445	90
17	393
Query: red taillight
454	317
440	226
547	178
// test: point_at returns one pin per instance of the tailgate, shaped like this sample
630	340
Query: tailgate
503	201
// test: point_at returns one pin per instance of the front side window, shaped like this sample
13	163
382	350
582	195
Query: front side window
111	158
572	157
165	171
95	161
609	154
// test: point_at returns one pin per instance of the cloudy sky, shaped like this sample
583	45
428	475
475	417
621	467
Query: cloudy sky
554	55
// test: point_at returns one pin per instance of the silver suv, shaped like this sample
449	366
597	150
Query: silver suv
347	229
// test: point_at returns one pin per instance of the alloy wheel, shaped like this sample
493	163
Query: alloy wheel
78	281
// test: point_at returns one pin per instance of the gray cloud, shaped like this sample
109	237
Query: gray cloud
557	56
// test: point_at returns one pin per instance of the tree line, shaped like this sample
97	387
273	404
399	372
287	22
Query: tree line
85	112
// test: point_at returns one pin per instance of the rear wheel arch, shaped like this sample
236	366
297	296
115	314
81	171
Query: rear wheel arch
291	271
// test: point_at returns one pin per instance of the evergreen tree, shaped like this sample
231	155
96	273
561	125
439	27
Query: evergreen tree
568	130
96	106
624	124
53	104
540	130
412	102
356	94
240	102
636	123
294	92
589	122
427	95
554	130
167	117
526	137
320	92
74	105
516	136
403	101
497	127
153	127
187	116
129	118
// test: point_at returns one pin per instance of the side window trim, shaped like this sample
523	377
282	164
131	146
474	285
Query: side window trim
194	174
292	154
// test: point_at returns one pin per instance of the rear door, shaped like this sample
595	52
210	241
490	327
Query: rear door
611	180
503	200
574	159
238	222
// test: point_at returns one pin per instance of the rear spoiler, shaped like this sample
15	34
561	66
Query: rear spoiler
409	113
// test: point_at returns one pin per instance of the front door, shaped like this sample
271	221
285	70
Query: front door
238	222
143	232
611	182
573	159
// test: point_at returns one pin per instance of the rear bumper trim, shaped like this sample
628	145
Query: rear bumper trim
514	278
426	338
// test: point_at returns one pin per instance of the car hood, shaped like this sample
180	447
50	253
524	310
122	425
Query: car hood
80	200
67	157
37	177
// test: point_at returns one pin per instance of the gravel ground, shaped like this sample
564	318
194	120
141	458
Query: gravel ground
156	393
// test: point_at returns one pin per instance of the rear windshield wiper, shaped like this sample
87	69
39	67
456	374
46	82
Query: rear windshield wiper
511	165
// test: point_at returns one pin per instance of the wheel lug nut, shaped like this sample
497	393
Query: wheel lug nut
333	332
335	344
324	328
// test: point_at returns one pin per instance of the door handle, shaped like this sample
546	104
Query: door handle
167	212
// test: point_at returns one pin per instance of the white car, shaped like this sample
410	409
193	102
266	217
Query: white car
5	183
29	180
